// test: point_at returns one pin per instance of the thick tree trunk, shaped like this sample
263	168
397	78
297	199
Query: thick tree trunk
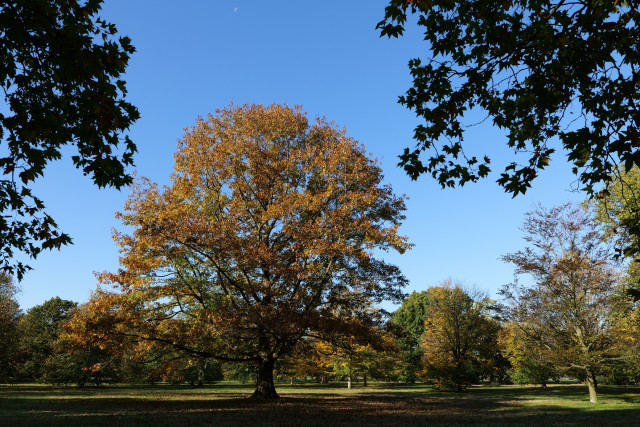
592	384
265	389
325	378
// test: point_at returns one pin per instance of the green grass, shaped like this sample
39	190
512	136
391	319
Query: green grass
315	405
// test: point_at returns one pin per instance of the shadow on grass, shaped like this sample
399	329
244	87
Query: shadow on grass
381	406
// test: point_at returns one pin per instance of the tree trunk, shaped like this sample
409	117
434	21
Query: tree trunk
364	380
325	378
265	389
593	385
349	382
291	382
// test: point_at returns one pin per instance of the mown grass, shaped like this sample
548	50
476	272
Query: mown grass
315	405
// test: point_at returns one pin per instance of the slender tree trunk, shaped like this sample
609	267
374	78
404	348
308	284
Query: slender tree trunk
291	382
349	382
265	388
592	384
364	380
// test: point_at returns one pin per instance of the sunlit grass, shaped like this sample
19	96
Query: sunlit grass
312	404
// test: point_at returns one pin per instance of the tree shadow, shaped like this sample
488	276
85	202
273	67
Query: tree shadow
171	406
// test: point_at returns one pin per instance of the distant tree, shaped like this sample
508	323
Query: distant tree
80	362
459	337
81	367
306	360
541	70
528	361
410	318
203	371
265	235
61	82
195	371
352	358
9	335
39	329
571	311
239	372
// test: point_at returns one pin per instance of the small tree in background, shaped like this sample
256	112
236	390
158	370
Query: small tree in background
571	311
410	318
459	336
9	333
40	328
529	365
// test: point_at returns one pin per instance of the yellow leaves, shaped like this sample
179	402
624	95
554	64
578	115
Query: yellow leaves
266	220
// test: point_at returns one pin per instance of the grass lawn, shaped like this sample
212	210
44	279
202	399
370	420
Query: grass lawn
315	405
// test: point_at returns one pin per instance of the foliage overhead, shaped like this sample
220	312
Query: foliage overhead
541	70
61	82
266	235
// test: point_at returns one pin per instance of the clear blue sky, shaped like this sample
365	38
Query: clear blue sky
195	56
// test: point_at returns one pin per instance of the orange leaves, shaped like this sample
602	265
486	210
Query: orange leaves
266	230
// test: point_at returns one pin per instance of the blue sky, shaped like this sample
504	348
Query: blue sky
195	56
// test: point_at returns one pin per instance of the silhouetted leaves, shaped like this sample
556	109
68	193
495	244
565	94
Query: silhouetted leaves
544	71
60	72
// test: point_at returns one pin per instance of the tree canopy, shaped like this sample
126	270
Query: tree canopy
265	235
459	336
570	314
39	329
61	82
410	318
546	72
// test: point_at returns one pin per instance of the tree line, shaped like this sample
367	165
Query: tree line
573	320
257	264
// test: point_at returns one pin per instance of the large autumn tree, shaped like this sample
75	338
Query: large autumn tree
572	313
61	69
553	74
266	234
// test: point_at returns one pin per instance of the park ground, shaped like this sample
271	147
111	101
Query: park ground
315	405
